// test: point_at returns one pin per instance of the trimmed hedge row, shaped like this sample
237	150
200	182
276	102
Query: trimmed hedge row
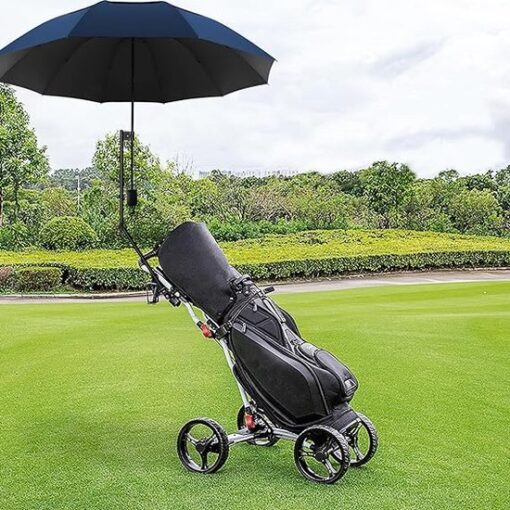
305	255
7	278
131	278
374	264
121	278
38	279
31	278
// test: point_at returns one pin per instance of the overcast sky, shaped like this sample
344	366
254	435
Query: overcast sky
421	82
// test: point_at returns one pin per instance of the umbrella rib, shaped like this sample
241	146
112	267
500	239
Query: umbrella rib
18	62
61	68
234	49
193	31
109	68
201	66
250	66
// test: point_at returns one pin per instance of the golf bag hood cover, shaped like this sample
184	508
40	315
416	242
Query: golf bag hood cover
194	263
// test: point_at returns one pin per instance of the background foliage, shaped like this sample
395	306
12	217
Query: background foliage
384	195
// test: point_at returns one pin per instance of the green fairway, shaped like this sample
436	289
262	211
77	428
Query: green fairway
92	397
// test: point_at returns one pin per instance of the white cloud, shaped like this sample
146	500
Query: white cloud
356	81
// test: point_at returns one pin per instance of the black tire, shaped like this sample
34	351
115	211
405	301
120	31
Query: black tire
215	443
363	441
265	442
321	454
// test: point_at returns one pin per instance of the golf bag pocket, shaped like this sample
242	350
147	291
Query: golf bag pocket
324	359
277	377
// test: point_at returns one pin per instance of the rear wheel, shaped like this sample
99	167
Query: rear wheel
363	441
266	440
321	454
202	446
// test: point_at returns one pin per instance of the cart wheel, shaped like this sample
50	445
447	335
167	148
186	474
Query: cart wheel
363	441
202	446
267	441
321	454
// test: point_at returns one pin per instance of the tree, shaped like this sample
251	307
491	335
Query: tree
147	167
476	212
387	187
57	202
502	179
22	161
320	209
424	208
348	182
480	181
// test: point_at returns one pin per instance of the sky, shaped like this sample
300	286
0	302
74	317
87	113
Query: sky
357	81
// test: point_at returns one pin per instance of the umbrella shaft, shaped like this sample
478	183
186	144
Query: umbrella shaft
132	178
132	169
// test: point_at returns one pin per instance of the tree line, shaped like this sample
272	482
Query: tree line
384	195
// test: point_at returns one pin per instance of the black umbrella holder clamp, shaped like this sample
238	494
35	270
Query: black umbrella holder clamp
132	194
130	197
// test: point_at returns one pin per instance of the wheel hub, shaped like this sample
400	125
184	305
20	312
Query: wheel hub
201	447
320	455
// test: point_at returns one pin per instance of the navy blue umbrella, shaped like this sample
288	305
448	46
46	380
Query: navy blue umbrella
133	52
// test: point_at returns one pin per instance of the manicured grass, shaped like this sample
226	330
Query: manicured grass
313	245
92	397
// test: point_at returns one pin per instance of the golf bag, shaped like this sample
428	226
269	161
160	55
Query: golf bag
294	382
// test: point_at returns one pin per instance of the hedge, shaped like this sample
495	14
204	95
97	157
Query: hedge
7	278
120	278
303	255
134	279
37	279
374	264
309	245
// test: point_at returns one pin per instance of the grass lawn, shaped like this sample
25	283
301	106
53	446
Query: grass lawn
92	397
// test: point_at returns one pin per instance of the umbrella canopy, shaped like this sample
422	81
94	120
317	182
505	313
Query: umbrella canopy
134	51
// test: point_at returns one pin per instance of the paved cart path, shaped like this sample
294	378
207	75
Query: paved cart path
351	282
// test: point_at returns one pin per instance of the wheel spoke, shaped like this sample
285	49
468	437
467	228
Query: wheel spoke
191	439
354	431
358	452
332	448
337	455
204	464
355	447
210	439
329	467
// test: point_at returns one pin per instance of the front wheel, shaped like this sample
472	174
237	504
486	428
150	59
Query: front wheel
321	454
202	446
363	441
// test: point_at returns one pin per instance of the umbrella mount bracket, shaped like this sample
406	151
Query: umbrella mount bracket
131	194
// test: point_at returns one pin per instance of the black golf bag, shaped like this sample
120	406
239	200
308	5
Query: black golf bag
295	383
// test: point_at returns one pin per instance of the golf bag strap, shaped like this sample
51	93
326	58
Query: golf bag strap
233	314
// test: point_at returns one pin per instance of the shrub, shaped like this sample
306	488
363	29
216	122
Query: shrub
35	279
238	230
7	278
108	278
67	233
15	237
